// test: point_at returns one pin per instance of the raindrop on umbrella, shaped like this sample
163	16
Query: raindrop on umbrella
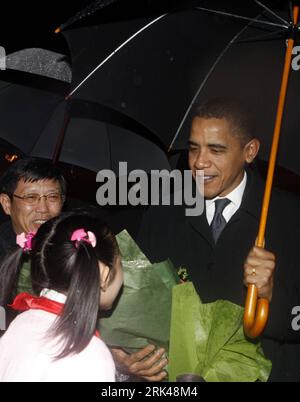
89	10
41	62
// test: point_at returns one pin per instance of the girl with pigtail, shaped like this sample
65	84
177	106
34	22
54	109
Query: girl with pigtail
75	270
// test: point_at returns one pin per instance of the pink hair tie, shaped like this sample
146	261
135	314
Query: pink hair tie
24	240
81	235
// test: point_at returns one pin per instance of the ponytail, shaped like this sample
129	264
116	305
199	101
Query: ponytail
78	321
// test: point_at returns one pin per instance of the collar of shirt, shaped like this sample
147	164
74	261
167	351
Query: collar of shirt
53	295
235	197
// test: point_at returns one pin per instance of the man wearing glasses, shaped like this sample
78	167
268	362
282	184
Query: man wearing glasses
32	191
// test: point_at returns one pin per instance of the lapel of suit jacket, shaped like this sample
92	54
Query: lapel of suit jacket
252	198
251	204
201	226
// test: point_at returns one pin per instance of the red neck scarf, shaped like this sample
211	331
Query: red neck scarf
26	301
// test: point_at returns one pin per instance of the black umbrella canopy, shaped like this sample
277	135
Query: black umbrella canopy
42	62
93	142
115	10
34	113
90	9
155	68
154	76
251	71
26	103
38	120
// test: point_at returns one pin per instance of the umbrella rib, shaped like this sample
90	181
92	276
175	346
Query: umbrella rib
276	35
113	53
241	17
272	12
203	83
86	12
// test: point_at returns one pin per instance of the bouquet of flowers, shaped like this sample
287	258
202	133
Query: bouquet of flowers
208	340
142	313
203	339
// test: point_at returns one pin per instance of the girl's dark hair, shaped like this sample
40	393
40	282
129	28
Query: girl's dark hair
56	263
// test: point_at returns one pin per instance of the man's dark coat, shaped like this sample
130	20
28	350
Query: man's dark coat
217	270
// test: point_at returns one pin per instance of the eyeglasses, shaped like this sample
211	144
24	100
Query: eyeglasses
33	199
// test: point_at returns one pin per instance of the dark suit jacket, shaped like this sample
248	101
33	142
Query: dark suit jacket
7	239
217	270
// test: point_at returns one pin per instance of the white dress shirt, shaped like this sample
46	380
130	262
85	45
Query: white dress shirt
235	198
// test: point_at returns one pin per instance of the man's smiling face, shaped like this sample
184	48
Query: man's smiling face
220	154
28	218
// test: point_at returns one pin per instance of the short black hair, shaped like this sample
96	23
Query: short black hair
237	114
30	170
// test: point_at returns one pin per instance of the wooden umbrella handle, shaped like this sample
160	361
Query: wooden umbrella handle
256	314
254	324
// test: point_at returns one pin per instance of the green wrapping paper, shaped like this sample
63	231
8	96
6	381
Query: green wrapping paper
142	313
208	340
24	281
204	339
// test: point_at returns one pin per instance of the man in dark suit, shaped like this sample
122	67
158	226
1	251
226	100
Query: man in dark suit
217	247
